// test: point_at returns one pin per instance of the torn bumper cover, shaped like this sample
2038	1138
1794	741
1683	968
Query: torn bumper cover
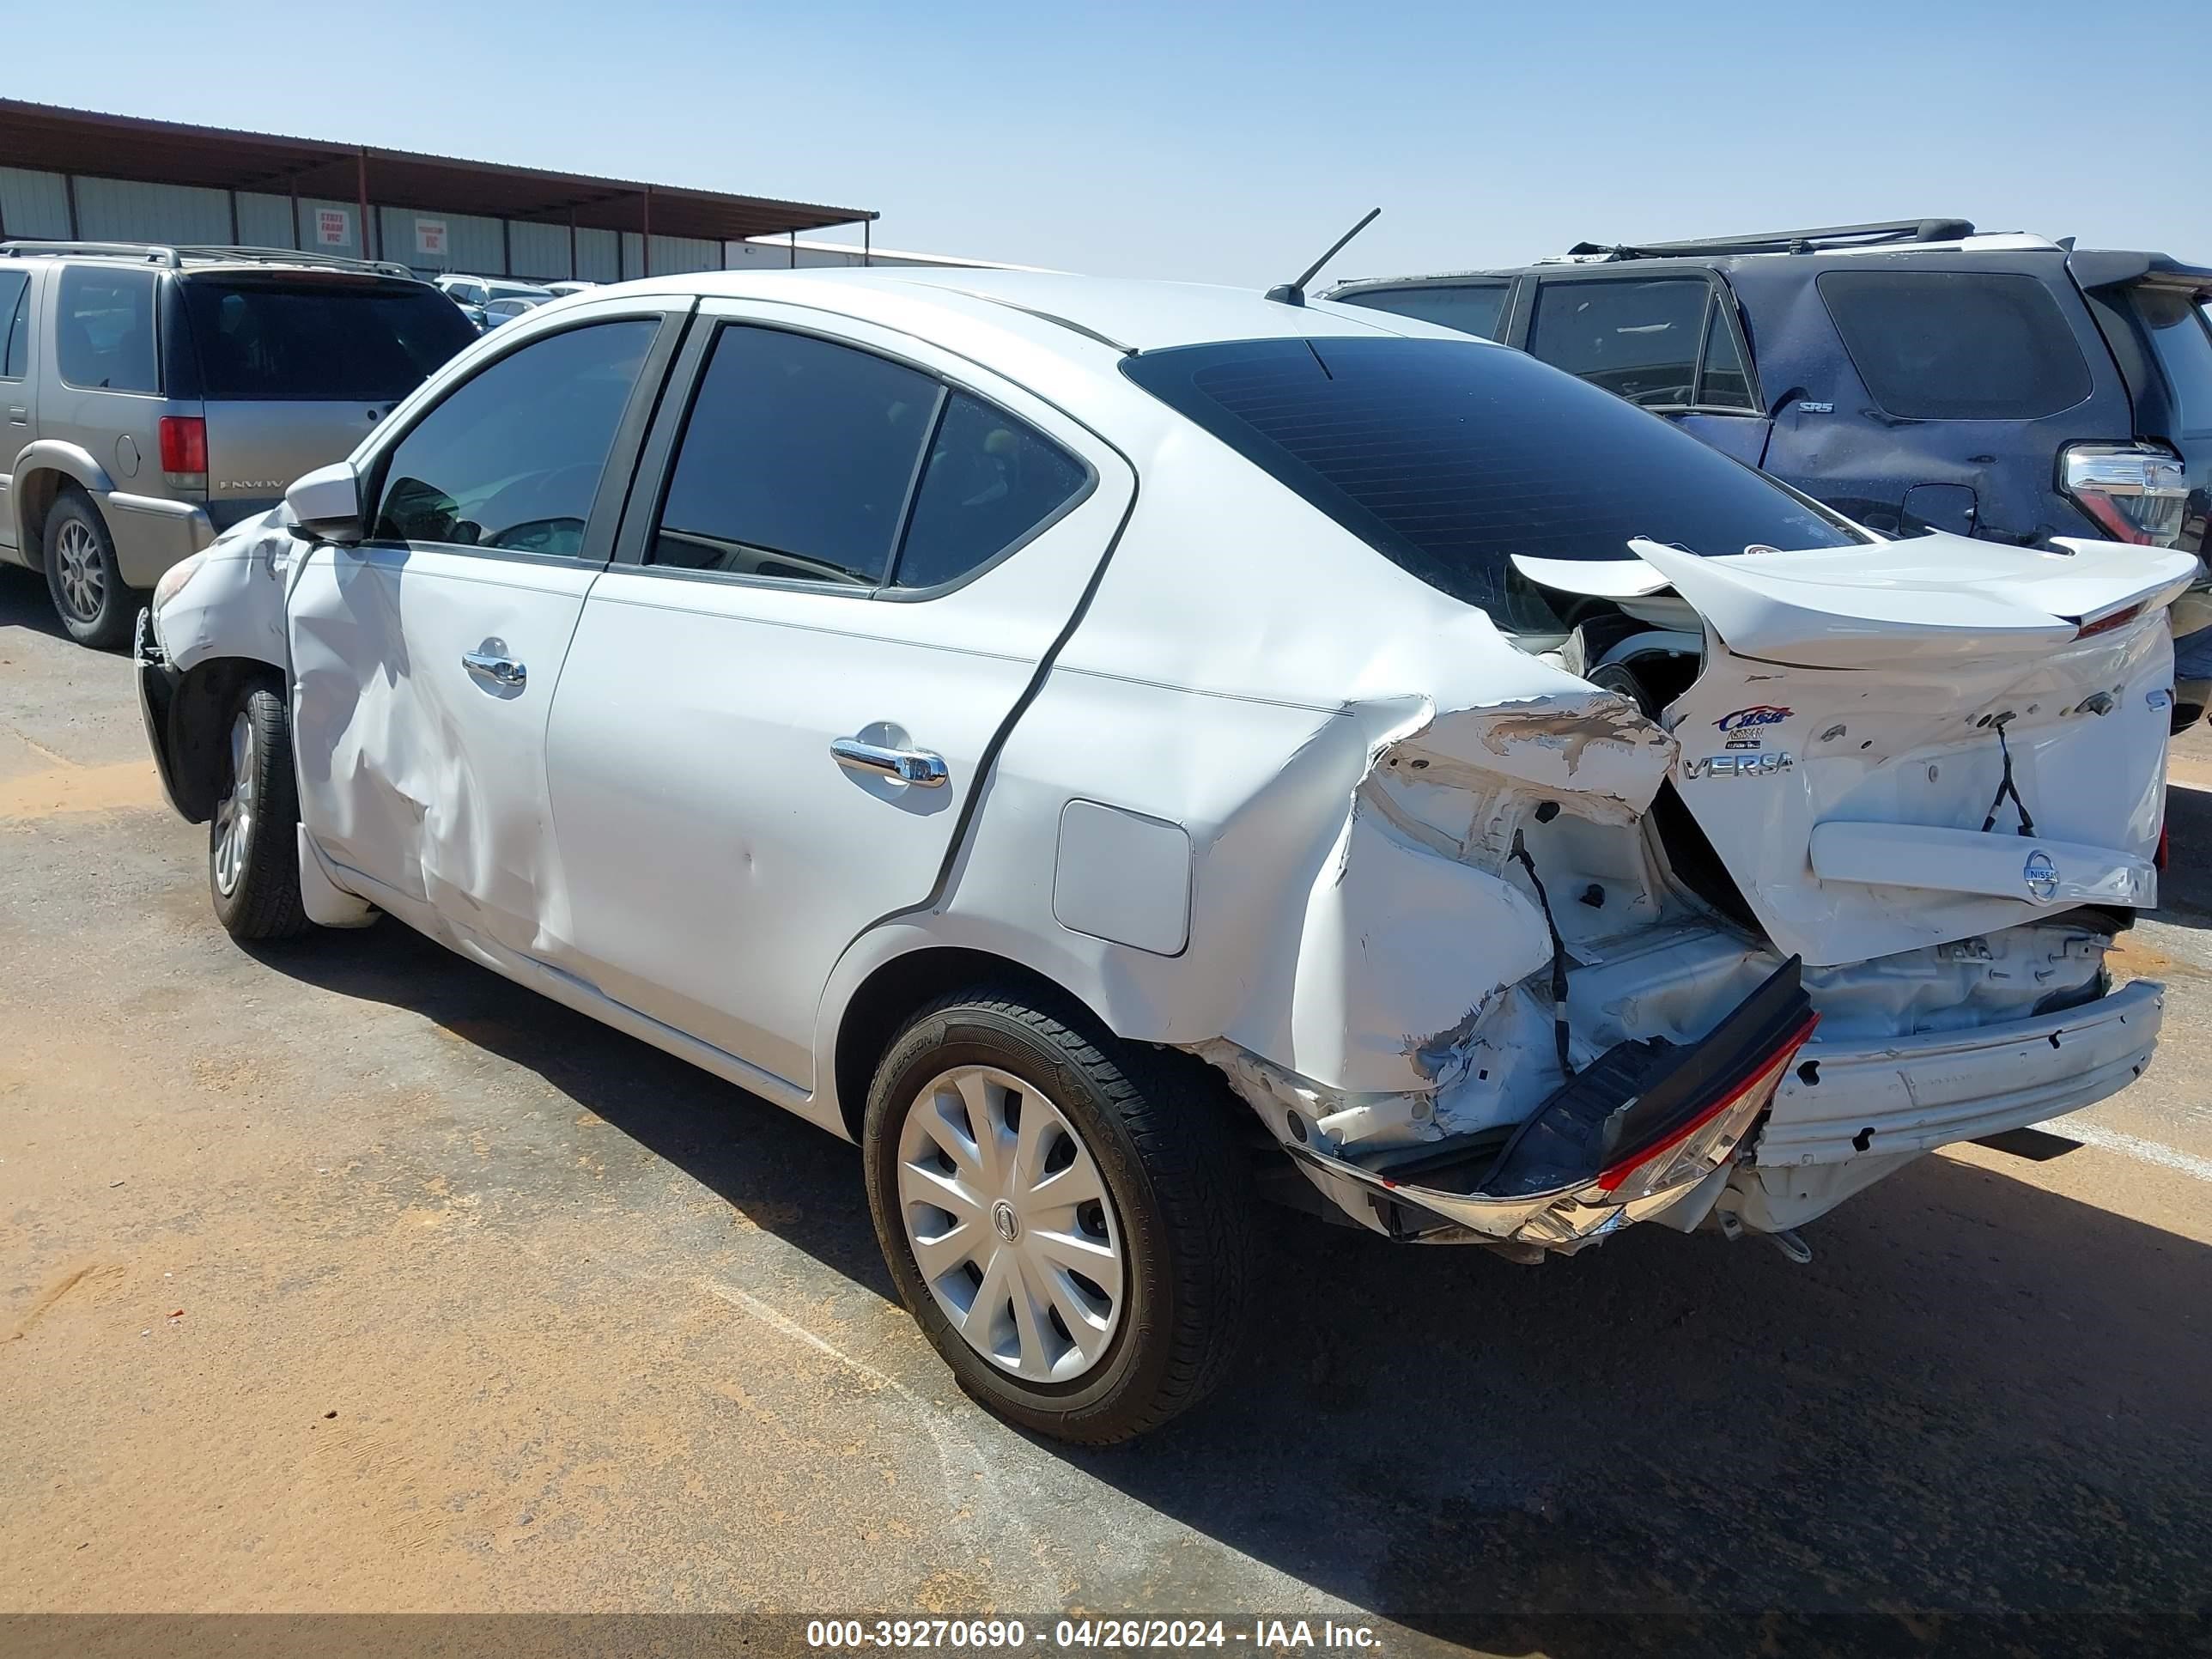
1631	1135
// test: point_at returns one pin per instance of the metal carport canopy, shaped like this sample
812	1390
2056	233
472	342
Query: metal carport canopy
88	143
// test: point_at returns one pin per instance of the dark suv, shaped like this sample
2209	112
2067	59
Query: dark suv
1915	376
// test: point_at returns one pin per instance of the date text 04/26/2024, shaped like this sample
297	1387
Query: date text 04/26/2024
1003	1635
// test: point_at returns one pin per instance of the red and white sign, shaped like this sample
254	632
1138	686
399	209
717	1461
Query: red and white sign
431	237
333	227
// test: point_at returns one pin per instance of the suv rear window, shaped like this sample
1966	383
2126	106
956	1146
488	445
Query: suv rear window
1448	457
2180	335
1952	345
362	341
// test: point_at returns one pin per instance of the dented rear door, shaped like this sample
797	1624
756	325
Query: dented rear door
424	660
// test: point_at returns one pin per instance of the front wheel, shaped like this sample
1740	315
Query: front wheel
1066	1215
253	844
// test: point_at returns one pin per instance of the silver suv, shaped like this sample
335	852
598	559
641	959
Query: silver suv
155	396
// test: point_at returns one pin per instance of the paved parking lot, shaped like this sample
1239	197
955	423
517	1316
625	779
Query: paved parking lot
345	1275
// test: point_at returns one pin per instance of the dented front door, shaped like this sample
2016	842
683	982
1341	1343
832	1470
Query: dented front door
425	660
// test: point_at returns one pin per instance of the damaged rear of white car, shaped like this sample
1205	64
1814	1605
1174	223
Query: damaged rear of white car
1748	858
1538	822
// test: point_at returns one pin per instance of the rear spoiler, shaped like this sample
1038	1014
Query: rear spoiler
2096	268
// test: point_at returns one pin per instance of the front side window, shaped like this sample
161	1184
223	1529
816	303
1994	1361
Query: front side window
1473	308
1638	339
512	457
796	461
1954	345
104	330
1449	457
14	324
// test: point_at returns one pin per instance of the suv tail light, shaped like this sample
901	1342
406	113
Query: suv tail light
184	451
2135	492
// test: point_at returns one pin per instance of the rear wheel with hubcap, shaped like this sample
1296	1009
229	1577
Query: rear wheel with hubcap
1066	1215
82	573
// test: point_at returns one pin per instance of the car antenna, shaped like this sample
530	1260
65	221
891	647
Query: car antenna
1294	294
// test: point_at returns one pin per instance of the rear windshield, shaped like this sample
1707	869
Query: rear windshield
1954	345
325	340
1448	457
2180	335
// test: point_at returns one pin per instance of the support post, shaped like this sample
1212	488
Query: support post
234	217
866	252
294	183
792	236
506	247
644	237
68	189
574	274
360	197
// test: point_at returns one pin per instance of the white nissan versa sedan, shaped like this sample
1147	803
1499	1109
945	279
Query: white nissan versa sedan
1114	749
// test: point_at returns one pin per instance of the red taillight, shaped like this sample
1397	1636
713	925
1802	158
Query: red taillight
183	444
2126	613
1662	1155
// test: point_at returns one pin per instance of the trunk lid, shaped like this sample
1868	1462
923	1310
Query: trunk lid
1909	743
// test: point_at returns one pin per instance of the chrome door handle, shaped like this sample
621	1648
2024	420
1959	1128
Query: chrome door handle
19	416
495	670
916	766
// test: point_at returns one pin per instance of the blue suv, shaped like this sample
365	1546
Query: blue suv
1915	376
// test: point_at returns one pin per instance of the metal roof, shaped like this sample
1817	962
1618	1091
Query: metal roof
89	143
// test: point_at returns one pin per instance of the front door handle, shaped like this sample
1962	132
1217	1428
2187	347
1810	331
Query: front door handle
495	670
18	415
916	766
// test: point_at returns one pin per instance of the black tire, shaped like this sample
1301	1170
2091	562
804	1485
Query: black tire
1154	1125
256	885
83	577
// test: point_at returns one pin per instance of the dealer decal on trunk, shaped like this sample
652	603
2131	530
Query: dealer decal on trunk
1742	727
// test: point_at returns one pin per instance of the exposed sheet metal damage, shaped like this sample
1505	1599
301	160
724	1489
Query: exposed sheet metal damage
1527	827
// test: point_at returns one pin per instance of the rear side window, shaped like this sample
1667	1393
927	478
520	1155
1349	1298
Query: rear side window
796	462
14	324
1449	458
991	481
2178	334
1639	340
1473	308
512	457
1950	345
319	340
104	330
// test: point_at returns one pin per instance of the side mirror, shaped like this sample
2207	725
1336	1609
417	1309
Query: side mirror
325	505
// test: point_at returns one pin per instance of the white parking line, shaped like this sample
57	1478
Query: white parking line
2134	1146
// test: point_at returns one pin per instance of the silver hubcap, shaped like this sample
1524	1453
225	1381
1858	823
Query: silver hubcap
234	813
1010	1223
77	564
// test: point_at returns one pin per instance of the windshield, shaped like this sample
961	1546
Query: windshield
1448	457
320	340
510	291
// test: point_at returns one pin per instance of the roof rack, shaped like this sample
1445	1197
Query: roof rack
174	256
1791	241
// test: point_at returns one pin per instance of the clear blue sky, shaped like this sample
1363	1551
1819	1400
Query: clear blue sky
1230	142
